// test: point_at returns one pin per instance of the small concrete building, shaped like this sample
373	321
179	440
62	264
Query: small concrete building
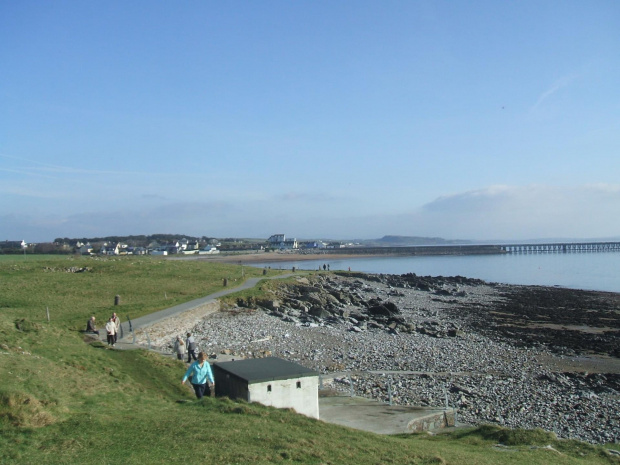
269	381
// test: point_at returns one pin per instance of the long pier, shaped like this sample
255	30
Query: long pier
565	247
486	249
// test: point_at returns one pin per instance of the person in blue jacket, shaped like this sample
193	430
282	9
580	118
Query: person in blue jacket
201	376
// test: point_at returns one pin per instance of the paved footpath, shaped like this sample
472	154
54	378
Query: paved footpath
147	320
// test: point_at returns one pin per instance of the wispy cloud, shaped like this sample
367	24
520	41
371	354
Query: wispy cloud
22	171
38	167
555	87
31	191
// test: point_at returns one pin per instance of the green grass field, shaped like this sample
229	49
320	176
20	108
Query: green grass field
32	284
66	401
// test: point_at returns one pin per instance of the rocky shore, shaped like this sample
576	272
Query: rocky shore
518	356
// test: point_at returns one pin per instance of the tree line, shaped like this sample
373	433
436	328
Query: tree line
136	241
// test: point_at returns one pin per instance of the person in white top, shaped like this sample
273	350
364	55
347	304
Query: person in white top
117	322
179	347
110	327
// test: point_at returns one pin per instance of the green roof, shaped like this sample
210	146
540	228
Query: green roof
258	370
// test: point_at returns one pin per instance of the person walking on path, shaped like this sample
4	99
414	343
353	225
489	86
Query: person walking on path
117	322
179	347
110	327
91	327
201	376
191	348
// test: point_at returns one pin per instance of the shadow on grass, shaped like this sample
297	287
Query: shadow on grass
508	437
523	438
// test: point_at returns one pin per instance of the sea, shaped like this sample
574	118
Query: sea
599	271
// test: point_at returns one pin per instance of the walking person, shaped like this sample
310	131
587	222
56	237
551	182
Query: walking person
117	322
201	376
191	347
179	347
110	327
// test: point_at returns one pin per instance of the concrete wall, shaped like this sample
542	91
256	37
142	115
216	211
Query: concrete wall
300	394
165	329
433	421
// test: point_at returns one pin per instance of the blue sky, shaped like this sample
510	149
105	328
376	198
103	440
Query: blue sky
317	119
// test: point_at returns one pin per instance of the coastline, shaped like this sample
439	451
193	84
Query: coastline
587	271
488	347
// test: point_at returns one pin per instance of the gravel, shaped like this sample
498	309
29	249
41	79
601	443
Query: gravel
417	336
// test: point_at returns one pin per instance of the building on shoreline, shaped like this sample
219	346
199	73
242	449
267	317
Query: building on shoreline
270	381
279	241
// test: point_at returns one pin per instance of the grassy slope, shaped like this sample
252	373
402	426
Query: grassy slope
65	401
145	284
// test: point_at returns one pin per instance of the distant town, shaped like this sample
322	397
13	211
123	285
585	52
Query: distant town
164	245
171	244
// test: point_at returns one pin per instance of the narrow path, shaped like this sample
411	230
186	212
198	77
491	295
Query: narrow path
156	317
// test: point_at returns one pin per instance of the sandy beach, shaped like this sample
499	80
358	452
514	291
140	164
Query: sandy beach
274	257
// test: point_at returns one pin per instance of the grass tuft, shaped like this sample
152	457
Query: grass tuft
517	436
24	410
27	326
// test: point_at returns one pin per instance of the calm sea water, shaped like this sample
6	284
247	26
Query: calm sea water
595	271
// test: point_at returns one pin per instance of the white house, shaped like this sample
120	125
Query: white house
208	249
279	241
269	381
314	245
110	249
289	244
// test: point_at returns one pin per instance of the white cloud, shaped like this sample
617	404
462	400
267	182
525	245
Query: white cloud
495	212
525	212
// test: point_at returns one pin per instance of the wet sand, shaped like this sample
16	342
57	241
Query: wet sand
275	257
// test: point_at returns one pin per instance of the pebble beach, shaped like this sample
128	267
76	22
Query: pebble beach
492	351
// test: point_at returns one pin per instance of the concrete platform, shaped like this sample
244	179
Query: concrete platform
376	417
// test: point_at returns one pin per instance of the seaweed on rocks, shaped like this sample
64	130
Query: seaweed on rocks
567	321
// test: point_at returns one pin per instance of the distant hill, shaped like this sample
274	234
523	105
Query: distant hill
404	241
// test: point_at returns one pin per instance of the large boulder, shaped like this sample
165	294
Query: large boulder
271	304
384	309
319	312
314	298
380	311
341	297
